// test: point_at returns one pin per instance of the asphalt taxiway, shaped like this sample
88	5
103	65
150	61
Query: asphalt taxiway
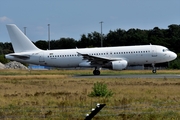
131	76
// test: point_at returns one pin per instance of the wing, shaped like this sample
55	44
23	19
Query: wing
98	60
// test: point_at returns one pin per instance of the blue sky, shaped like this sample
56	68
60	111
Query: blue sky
72	18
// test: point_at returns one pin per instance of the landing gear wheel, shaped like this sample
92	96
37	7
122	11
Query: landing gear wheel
96	72
154	71
154	68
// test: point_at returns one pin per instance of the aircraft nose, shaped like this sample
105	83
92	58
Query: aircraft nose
171	56
174	55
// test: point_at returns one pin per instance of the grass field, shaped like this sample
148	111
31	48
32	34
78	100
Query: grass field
56	94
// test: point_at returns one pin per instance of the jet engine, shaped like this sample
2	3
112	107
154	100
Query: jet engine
119	65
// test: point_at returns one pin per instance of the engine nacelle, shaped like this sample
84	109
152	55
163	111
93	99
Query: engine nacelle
119	65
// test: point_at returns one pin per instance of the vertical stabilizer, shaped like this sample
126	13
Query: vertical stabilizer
20	42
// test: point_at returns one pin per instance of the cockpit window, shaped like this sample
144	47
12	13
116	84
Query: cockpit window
164	50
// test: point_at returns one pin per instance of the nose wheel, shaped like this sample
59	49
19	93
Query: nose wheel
154	69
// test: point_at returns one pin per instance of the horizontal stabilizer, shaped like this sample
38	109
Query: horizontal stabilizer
24	57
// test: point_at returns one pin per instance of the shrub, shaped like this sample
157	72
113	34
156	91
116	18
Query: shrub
175	64
3	59
100	90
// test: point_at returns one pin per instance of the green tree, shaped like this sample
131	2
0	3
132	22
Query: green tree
84	42
3	59
115	38
41	44
156	36
174	37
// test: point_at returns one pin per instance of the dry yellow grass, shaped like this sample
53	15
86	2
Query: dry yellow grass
39	89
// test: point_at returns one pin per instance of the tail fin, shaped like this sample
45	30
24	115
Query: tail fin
20	42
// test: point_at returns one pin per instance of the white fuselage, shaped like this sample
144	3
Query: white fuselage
115	58
134	55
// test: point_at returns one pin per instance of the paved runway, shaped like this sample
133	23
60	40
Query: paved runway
131	76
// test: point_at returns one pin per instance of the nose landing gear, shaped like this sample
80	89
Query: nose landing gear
154	68
154	71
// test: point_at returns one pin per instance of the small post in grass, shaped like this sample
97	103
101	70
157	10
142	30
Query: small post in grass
94	111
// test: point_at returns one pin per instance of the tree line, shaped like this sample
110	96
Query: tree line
169	37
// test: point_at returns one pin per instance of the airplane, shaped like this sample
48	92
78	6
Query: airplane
114	58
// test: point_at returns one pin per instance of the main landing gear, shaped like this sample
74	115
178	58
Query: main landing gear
154	68
96	71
